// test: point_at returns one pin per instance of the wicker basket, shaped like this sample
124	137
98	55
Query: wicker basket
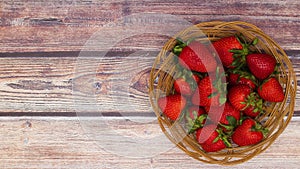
277	115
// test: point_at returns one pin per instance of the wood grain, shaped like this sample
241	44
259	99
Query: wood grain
45	85
36	26
62	142
59	85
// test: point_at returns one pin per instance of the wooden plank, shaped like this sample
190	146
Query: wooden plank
62	142
43	86
30	26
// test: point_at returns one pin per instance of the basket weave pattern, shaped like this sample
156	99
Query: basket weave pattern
276	116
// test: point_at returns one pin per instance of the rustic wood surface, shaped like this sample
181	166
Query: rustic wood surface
61	142
43	80
65	25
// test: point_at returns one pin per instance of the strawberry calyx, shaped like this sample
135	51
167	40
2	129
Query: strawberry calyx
239	55
197	123
257	127
220	86
254	100
227	128
223	137
180	44
187	76
232	123
244	74
276	70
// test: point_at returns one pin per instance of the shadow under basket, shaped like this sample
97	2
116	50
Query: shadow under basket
276	116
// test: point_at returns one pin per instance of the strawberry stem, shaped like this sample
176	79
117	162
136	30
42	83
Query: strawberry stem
180	44
177	50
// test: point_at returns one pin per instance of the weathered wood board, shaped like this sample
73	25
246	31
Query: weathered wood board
66	25
62	142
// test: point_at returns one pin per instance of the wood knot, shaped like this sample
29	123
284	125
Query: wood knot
27	124
141	81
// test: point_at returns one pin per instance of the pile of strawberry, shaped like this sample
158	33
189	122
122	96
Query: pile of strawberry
220	99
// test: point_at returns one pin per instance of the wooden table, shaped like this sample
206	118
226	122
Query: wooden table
40	44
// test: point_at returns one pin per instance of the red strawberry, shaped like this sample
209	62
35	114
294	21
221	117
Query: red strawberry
207	94
271	90
211	139
261	65
197	57
172	105
241	97
248	133
223	47
230	115
186	83
182	87
241	78
251	112
237	96
202	93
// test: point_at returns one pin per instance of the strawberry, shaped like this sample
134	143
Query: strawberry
261	65
172	105
237	95
229	116
251	112
208	94
248	133
186	83
197	57
271	90
202	93
183	87
242	78
211	138
211	90
223	47
242	97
